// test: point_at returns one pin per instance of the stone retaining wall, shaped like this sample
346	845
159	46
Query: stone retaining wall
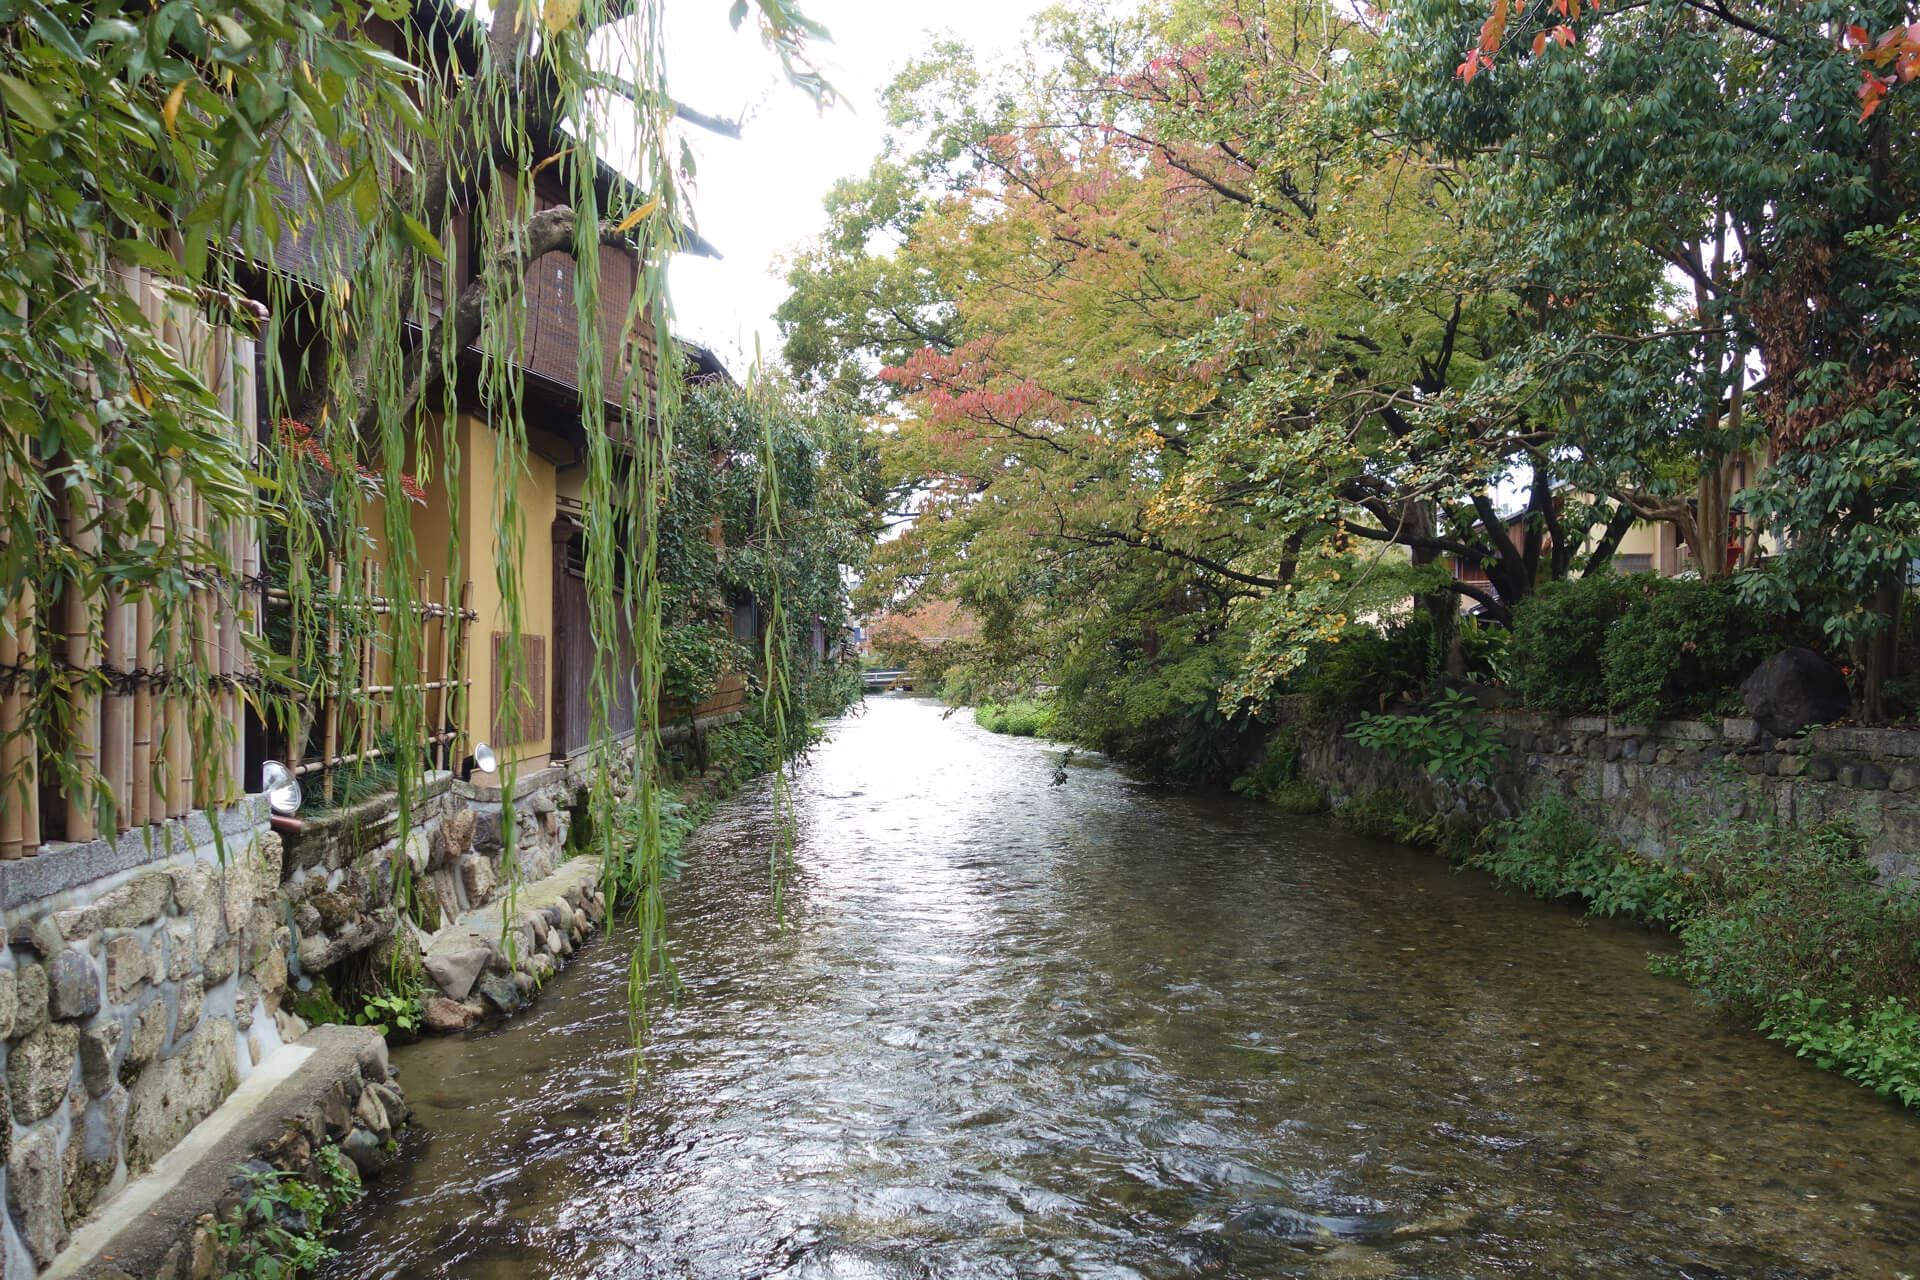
1644	783
144	977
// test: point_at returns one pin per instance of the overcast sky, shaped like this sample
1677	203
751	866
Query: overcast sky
758	198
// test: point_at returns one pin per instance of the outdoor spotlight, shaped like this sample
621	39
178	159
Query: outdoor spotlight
481	760
282	788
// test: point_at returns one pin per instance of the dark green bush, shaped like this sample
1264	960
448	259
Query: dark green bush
1559	636
1364	668
1683	649
1275	778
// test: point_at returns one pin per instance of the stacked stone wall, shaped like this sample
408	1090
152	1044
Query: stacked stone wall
1648	784
131	1006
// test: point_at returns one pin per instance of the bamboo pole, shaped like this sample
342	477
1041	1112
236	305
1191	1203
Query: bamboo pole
83	658
142	801
367	650
15	745
246	417
443	697
116	719
462	683
330	701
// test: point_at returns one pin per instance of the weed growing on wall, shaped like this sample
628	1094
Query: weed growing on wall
1450	739
276	1231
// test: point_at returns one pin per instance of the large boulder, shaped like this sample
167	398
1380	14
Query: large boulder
455	972
1793	689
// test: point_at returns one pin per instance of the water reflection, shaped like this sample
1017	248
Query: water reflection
1015	1029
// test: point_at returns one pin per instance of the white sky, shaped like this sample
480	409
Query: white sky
758	198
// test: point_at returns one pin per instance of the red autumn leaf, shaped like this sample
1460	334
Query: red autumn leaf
1856	34
1539	43
1565	35
1872	90
1471	67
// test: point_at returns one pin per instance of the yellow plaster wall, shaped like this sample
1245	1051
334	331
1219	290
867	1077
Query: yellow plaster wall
485	512
477	548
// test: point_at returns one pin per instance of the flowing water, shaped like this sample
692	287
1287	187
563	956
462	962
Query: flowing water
1013	1028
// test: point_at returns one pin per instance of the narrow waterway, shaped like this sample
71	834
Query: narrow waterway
1015	1028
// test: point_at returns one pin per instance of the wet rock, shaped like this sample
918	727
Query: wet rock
335	1113
1822	768
290	1025
181	950
173	1095
40	1070
30	988
1793	689
34	1193
366	1151
93	1154
222	959
477	878
488	824
128	965
141	900
187	1006
97	1047
444	1015
371	1115
149	1032
498	990
456	834
73	985
373	1063
392	1102
9	1003
455	972
541	968
76	923
527	983
1872	777
419	851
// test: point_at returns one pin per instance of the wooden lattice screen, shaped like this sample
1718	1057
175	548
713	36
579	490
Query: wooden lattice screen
520	716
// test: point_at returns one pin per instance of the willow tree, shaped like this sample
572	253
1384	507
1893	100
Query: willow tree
206	146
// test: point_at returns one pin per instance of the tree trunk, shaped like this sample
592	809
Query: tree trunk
1878	654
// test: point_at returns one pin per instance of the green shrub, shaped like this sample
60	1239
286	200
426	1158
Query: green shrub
1276	780
1450	739
1788	930
1364	668
1384	815
1683	649
1551	853
1023	719
1559	636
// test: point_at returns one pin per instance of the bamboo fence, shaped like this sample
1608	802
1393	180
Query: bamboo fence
128	732
360	630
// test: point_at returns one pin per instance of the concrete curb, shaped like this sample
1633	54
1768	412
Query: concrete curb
132	1234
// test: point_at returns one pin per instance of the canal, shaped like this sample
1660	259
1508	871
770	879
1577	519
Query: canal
1014	1028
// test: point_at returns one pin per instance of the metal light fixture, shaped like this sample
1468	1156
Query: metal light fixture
481	760
282	788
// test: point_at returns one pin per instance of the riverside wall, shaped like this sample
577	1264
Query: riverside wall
1647	784
144	978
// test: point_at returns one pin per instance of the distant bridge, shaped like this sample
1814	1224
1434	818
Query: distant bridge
882	681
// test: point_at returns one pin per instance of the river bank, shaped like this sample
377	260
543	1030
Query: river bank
1013	1027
